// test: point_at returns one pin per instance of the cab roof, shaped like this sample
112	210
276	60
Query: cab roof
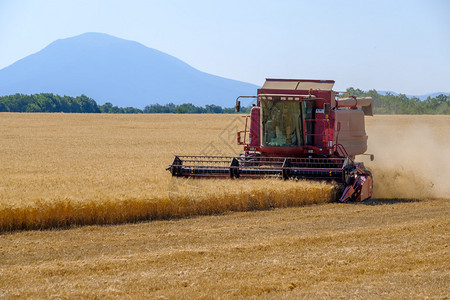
298	84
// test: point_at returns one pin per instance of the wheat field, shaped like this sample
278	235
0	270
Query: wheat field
62	170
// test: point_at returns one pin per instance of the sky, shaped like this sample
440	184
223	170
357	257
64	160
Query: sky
387	45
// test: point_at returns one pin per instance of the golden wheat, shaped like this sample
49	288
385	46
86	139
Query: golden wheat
60	170
212	198
396	250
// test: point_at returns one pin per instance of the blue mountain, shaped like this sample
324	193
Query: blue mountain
123	72
421	97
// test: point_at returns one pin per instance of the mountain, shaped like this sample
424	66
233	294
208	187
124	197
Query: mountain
431	95
123	72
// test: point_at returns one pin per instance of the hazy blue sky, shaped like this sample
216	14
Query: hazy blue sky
403	46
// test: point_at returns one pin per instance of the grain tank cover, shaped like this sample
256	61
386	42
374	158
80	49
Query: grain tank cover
298	84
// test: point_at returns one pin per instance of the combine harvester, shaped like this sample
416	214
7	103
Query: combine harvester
298	129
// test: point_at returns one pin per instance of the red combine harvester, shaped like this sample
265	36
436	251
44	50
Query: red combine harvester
298	129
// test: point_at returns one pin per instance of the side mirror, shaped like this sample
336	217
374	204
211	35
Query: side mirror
326	109
237	108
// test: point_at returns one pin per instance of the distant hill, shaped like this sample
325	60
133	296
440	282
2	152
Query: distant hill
125	73
421	97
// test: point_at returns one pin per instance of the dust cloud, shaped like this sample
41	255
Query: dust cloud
412	156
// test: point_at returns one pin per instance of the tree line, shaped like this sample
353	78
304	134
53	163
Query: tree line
401	104
189	108
48	102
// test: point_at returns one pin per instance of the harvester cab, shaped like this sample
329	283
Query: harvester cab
298	129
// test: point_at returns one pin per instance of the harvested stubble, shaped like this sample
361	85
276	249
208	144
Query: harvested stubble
60	170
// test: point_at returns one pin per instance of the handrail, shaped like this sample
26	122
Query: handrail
245	131
340	147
